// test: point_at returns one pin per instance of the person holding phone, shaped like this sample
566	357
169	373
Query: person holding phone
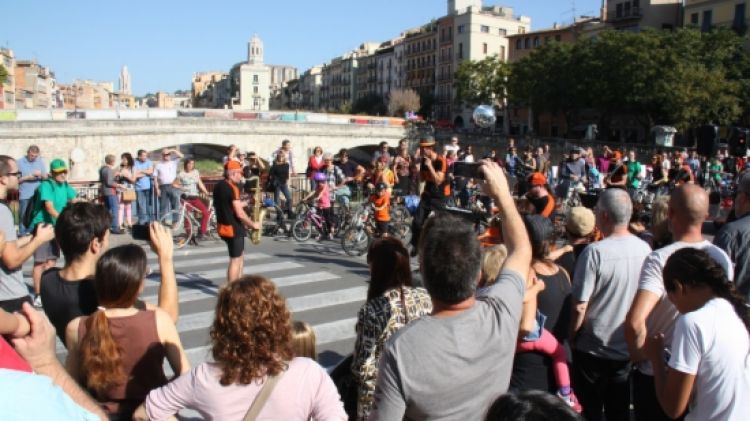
437	188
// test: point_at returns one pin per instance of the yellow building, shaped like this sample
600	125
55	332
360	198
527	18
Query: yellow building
707	14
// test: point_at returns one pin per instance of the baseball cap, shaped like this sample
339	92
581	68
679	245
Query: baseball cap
580	221
426	142
744	184
537	179
58	165
232	165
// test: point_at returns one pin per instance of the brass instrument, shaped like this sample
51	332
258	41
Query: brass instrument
258	211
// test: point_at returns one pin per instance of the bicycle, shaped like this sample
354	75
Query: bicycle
184	221
307	222
356	239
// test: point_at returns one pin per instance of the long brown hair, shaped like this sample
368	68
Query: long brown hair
389	266
251	335
119	275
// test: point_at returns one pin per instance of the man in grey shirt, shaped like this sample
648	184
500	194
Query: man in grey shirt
109	186
452	364
734	237
605	282
13	290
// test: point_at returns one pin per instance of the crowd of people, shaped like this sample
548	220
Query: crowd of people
614	320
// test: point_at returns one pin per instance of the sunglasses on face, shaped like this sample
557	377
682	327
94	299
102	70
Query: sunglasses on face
14	174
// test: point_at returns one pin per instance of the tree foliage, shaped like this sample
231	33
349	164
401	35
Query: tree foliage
683	78
481	82
370	104
402	101
3	74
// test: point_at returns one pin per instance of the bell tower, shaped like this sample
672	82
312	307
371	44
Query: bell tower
255	50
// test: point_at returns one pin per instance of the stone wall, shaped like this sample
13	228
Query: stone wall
95	139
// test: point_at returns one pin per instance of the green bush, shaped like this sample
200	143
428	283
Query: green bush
209	167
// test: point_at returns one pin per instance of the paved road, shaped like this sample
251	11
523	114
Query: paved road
323	287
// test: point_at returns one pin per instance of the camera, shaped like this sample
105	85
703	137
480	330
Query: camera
468	170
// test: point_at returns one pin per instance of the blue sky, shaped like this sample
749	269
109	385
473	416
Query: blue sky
163	42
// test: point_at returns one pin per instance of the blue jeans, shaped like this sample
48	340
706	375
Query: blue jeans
113	204
22	205
143	203
283	188
169	199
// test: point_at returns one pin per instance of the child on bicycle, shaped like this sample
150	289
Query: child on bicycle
381	203
322	198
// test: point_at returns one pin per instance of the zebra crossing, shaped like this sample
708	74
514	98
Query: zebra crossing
325	294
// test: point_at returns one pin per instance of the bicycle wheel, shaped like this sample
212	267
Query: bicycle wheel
400	230
399	213
182	229
355	241
213	231
302	229
273	220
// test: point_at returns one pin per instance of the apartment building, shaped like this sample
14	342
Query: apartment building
634	15
707	14
8	88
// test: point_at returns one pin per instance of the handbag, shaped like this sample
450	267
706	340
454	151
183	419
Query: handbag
262	397
271	185
128	195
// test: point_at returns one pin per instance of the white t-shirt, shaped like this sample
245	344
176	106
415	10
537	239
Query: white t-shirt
713	344
663	315
451	147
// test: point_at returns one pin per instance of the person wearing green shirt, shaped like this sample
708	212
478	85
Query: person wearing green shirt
53	195
715	169
634	171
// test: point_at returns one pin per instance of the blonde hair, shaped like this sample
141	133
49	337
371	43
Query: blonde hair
492	261
660	220
303	340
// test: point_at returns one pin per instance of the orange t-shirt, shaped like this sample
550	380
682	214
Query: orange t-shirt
382	207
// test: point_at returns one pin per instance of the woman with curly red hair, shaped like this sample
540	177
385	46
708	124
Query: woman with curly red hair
251	341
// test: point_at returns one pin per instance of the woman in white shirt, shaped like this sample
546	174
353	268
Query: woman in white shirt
709	366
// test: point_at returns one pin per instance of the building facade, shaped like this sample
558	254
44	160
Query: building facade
420	60
210	90
634	15
8	88
34	85
310	86
707	14
87	95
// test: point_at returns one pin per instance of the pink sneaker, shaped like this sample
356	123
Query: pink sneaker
571	400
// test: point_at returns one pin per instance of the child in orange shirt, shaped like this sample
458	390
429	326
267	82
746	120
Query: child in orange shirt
381	202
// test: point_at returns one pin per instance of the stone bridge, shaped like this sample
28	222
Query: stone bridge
84	143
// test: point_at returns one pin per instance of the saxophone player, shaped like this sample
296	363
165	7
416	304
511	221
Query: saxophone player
231	218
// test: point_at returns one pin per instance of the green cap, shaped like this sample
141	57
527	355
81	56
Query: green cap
57	165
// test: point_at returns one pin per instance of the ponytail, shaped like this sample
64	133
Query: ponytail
100	355
728	292
695	267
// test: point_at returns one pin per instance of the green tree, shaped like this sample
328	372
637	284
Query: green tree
371	104
481	82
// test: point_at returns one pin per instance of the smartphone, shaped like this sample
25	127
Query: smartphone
468	170
141	232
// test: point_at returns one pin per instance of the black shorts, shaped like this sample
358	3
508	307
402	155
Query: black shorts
235	245
11	306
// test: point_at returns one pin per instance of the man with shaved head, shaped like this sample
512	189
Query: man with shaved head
651	312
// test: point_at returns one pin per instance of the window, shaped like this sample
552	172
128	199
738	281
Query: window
626	9
694	19
255	89
502	32
484	48
502	53
527	43
618	10
739	17
536	42
521	29
460	50
255	78
706	26
519	44
485	29
460	29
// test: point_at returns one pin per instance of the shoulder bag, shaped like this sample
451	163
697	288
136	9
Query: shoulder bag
262	397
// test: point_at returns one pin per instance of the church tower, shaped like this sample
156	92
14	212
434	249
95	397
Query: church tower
125	81
255	51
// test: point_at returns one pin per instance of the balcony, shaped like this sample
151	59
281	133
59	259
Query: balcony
634	13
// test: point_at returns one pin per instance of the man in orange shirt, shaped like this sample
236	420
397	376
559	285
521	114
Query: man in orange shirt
381	202
539	195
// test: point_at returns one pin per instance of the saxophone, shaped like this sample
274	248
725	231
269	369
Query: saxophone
258	211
